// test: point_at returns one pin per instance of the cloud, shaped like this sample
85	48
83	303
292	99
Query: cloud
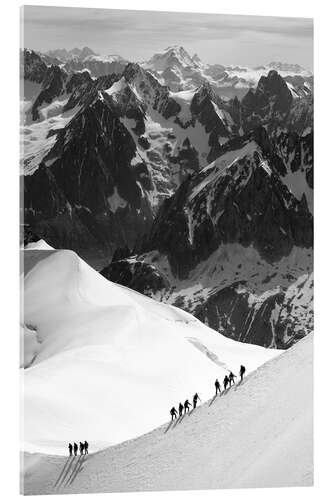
135	31
225	26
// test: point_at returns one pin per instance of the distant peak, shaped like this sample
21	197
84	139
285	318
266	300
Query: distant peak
205	89
196	59
65	55
283	66
177	48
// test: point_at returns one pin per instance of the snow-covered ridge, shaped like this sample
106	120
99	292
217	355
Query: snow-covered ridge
117	87
217	168
260	434
174	55
39	245
97	343
107	58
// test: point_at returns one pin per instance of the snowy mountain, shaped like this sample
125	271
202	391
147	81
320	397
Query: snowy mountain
289	68
175	68
64	55
276	102
97	65
32	67
165	136
110	163
83	59
233	246
253	434
173	57
92	344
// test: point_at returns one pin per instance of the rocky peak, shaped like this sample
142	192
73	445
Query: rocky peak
152	93
172	57
180	54
83	53
269	103
77	79
132	70
122	97
196	59
65	55
53	85
93	191
273	85
215	116
31	66
239	198
204	91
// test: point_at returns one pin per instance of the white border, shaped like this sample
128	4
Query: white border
9	105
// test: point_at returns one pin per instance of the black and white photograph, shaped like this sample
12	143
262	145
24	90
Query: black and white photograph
166	245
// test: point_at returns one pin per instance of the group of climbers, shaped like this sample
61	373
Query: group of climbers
228	380
184	407
73	448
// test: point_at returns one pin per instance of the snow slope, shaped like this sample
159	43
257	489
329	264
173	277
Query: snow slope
111	362
259	434
38	138
38	245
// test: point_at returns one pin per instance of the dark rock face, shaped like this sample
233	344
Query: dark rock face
303	85
152	92
139	276
31	66
187	158
229	311
277	321
92	145
83	90
27	235
77	80
273	105
208	109
270	101
300	118
52	86
296	152
92	192
241	199
170	230
249	206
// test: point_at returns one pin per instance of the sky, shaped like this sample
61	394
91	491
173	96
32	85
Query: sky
137	35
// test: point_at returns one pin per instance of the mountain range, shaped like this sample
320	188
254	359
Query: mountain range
178	70
190	183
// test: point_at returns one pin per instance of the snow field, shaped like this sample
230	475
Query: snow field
259	434
111	362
